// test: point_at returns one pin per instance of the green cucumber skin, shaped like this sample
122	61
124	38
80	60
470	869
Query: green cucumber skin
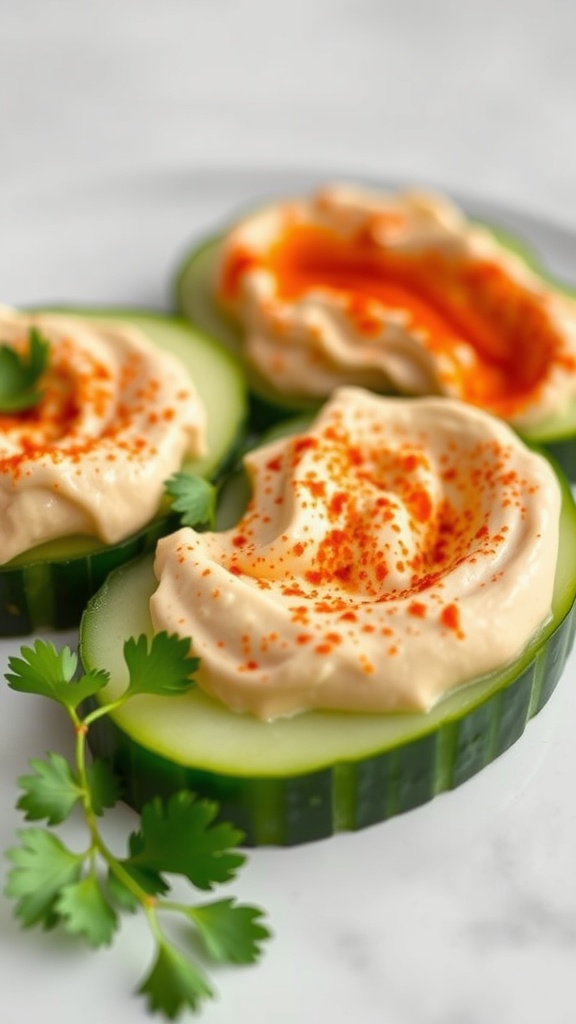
350	795
315	794
564	452
193	303
51	592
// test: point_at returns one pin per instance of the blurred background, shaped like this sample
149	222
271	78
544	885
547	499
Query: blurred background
131	127
479	97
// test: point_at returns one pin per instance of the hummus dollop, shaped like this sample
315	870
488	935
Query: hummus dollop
116	417
396	292
395	550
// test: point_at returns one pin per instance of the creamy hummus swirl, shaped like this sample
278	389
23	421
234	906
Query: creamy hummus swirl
396	292
397	549
117	416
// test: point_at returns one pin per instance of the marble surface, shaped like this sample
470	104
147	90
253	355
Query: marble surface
127	129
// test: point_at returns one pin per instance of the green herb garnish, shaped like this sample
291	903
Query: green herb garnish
20	374
193	497
85	893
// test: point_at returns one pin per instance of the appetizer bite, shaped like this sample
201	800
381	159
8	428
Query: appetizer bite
389	609
396	292
97	412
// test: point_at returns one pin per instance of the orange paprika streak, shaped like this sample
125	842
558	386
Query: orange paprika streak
451	300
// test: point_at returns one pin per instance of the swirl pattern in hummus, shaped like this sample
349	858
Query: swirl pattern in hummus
396	293
117	416
397	549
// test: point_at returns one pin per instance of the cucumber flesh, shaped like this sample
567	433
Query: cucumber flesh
300	779
195	300
219	379
49	586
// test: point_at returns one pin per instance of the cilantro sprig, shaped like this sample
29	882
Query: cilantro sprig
86	892
193	497
20	373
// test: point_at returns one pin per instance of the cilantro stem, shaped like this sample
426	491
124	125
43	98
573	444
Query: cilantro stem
81	733
104	709
98	845
150	910
52	883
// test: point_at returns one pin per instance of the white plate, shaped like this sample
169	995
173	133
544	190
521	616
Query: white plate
461	912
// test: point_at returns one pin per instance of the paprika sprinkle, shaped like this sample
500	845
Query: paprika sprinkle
396	293
414	548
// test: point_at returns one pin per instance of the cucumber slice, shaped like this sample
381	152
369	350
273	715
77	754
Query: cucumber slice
193	291
50	585
301	779
194	300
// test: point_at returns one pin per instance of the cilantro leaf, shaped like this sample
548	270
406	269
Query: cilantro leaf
19	374
230	933
180	837
104	785
163	668
193	497
174	983
43	865
51	791
85	911
53	885
44	671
